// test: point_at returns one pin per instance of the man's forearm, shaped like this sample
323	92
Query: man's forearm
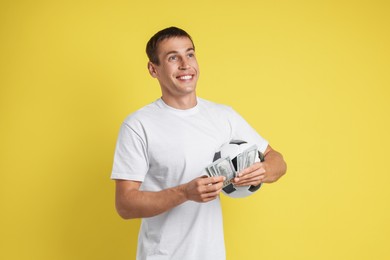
142	204
275	166
133	203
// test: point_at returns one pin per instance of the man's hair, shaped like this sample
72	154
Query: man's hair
170	32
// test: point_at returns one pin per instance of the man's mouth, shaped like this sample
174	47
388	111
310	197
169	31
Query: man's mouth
185	77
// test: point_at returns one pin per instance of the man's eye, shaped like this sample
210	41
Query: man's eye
190	55
172	58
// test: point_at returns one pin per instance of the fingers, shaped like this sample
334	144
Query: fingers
253	168
252	175
212	184
205	197
205	188
216	179
254	181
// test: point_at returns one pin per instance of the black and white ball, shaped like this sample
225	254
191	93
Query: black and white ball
231	150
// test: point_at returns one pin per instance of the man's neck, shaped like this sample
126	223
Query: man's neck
183	103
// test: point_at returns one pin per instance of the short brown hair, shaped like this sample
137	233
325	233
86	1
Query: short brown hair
170	32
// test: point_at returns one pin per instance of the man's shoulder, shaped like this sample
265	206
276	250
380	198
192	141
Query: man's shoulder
215	106
144	113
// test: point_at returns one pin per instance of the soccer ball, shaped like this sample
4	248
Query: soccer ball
231	150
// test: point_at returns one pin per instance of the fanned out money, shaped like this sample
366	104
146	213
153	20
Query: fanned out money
225	166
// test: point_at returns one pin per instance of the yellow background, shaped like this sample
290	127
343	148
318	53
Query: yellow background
311	76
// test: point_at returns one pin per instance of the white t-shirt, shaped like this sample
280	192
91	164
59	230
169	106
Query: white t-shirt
164	147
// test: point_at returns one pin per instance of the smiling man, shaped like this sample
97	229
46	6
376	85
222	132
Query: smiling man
161	153
177	71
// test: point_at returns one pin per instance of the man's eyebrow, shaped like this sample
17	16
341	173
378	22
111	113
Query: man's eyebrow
175	52
171	52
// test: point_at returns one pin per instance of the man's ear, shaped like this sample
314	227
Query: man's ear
152	69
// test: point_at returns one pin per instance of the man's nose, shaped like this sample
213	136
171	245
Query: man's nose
184	64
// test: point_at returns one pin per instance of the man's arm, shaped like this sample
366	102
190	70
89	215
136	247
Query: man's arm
268	171
133	203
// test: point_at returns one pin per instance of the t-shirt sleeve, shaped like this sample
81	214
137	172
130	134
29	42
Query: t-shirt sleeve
130	158
243	131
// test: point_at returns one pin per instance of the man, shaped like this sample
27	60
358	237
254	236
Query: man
162	150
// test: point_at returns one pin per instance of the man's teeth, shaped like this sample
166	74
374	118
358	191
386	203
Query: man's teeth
185	77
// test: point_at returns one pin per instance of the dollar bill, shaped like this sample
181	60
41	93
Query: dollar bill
250	156
222	167
240	161
225	167
211	170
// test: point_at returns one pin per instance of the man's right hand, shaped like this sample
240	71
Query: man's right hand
204	189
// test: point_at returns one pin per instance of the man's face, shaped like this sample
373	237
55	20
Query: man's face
178	71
